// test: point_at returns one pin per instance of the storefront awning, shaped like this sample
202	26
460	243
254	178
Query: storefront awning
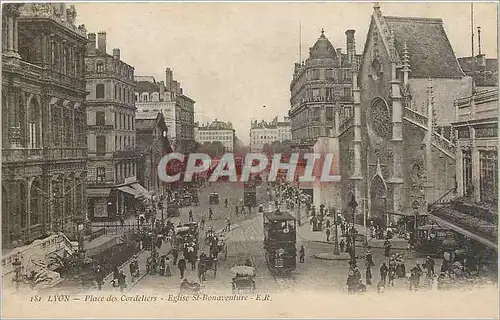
140	190
129	190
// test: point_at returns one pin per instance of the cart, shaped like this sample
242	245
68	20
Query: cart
213	198
244	279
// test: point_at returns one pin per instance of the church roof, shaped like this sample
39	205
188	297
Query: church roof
323	48
430	51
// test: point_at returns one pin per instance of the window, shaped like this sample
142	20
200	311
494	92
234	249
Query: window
329	74
101	174
100	118
100	145
330	92
65	60
99	66
53	52
116	142
347	92
99	91
120	140
123	95
488	176
116	91
119	94
329	113
467	172
315	74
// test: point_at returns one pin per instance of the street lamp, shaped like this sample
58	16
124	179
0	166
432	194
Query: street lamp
336	250
16	264
353	204
415	206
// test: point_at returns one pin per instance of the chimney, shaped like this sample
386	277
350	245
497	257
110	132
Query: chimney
162	90
91	43
116	53
479	39
174	86
168	79
351	46
101	41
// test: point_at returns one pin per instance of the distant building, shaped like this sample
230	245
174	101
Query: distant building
153	144
322	82
263	132
483	70
177	108
112	186
44	152
220	131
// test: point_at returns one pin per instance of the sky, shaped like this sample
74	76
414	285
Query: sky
233	58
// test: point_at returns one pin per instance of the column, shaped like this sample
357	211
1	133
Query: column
10	40
476	166
459	173
396	179
28	208
50	209
16	37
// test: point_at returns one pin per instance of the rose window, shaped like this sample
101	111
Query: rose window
380	120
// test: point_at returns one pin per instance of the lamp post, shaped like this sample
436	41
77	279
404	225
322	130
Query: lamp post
336	250
16	264
353	204
415	213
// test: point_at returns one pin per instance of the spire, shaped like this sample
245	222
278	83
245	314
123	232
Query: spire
322	31
376	7
406	57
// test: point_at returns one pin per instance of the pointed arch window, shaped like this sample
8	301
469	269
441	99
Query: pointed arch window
35	203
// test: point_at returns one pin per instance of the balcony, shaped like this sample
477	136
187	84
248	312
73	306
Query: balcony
127	153
39	154
100	127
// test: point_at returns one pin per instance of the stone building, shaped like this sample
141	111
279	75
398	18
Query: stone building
112	152
403	152
177	108
263	132
44	152
474	205
323	81
153	144
216	131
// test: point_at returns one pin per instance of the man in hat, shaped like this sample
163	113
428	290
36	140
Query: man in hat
99	277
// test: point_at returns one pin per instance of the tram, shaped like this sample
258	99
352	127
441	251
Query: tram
279	241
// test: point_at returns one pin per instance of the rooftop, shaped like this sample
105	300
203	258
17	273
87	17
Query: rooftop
323	48
430	51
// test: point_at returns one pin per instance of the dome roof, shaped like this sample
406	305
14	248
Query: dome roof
220	125
323	48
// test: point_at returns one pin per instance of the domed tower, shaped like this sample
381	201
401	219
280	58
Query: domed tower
320	88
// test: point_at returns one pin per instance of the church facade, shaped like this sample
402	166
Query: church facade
402	155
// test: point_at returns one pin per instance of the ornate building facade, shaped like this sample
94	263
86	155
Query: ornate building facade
323	81
263	132
153	144
403	148
178	109
44	145
112	167
216	131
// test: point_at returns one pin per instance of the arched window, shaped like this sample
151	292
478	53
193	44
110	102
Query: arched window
156	96
35	203
99	91
34	124
136	96
99	66
119	94
144	96
116	91
101	145
56	122
123	94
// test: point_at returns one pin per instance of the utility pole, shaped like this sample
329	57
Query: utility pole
336	250
353	204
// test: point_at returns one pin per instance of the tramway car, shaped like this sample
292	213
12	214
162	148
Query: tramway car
279	241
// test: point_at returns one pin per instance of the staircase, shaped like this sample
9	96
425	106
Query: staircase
419	118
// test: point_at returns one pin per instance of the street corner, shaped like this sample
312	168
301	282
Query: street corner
342	256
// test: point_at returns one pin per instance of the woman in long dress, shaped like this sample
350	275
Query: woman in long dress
168	270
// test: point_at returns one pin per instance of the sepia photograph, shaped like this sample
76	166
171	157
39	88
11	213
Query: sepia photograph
249	159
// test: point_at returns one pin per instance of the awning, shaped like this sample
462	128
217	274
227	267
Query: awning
129	190
100	192
140	190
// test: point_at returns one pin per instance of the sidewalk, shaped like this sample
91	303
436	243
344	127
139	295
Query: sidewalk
305	232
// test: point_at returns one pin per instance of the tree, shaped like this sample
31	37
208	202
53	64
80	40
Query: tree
213	149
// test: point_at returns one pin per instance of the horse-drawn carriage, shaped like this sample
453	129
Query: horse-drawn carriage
207	264
244	279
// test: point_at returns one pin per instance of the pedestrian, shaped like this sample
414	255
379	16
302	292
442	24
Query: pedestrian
225	202
191	216
237	209
201	271
162	266
122	280
168	267
302	254
327	234
392	273
383	273
342	245
228	225
175	254
210	213
99	277
116	275
182	266
429	265
368	257
368	274
387	248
